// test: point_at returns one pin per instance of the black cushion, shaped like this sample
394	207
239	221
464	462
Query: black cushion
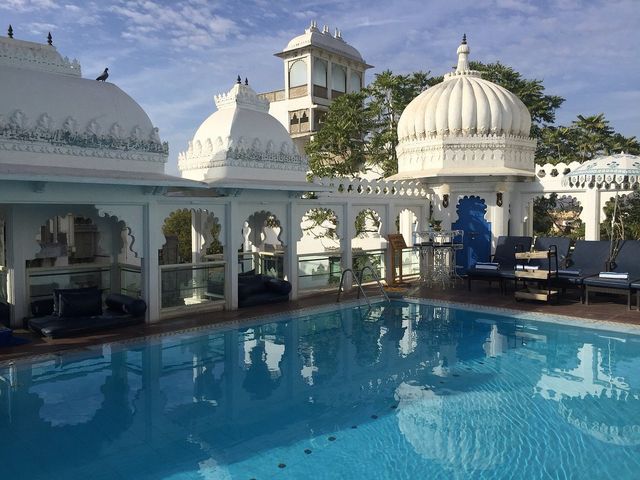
276	285
250	286
250	273
80	304
40	308
58	291
125	304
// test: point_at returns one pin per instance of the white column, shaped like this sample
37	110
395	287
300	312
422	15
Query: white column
233	240
348	232
152	241
291	251
197	224
500	222
591	214
387	228
517	215
17	294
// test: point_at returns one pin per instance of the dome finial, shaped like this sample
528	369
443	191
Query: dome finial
463	56
238	80
49	39
10	31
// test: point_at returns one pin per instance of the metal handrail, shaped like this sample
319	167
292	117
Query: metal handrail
359	283
355	277
376	278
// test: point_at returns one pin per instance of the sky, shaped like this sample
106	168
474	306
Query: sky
173	56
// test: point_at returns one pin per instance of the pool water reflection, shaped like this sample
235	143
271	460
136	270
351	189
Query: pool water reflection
406	390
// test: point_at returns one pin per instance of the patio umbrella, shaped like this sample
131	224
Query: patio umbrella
619	171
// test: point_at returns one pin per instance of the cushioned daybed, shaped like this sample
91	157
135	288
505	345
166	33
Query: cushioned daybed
79	311
261	289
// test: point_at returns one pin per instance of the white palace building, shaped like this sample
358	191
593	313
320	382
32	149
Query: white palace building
84	194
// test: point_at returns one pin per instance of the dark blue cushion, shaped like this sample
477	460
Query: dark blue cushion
125	304
58	291
80	304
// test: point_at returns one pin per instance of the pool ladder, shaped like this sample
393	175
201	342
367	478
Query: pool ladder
359	283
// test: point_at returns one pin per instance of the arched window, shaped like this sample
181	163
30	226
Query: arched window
297	73
356	82
338	78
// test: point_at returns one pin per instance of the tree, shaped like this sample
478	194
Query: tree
541	106
557	216
627	217
339	148
587	137
360	128
178	224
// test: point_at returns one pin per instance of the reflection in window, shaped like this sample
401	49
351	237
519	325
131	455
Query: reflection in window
297	73
356	82
320	72
339	78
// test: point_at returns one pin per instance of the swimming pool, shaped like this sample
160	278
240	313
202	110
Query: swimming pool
401	390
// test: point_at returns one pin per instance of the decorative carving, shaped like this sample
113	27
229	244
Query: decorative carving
34	56
194	159
17	136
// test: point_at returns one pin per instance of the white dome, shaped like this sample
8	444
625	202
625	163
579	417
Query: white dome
314	37
241	141
464	104
44	100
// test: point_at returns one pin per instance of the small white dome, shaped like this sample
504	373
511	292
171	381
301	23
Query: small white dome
464	104
241	141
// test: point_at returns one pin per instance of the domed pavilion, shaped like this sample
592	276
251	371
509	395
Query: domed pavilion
467	137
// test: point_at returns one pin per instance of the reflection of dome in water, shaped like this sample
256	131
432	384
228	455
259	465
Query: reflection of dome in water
612	419
461	430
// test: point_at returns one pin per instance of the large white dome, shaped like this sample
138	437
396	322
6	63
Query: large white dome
465	126
464	104
242	142
46	107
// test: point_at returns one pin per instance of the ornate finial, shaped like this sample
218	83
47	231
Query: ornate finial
246	81
10	31
325	29
238	80
463	56
49	39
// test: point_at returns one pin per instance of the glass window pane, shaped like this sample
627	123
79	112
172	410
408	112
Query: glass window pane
339	78
298	73
320	72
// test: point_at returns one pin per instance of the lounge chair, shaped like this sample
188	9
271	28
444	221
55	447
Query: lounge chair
620	279
589	257
503	260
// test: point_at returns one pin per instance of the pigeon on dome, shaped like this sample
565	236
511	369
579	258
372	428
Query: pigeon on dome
104	75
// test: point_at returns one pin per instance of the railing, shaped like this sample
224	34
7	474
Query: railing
319	270
266	263
274	96
190	284
410	258
41	281
374	258
130	280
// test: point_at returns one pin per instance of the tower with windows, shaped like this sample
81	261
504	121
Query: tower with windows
318	68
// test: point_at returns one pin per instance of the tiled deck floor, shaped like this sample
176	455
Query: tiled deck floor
602	307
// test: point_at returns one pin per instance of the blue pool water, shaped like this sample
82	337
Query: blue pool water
406	390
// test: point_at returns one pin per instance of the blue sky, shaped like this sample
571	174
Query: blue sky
174	56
